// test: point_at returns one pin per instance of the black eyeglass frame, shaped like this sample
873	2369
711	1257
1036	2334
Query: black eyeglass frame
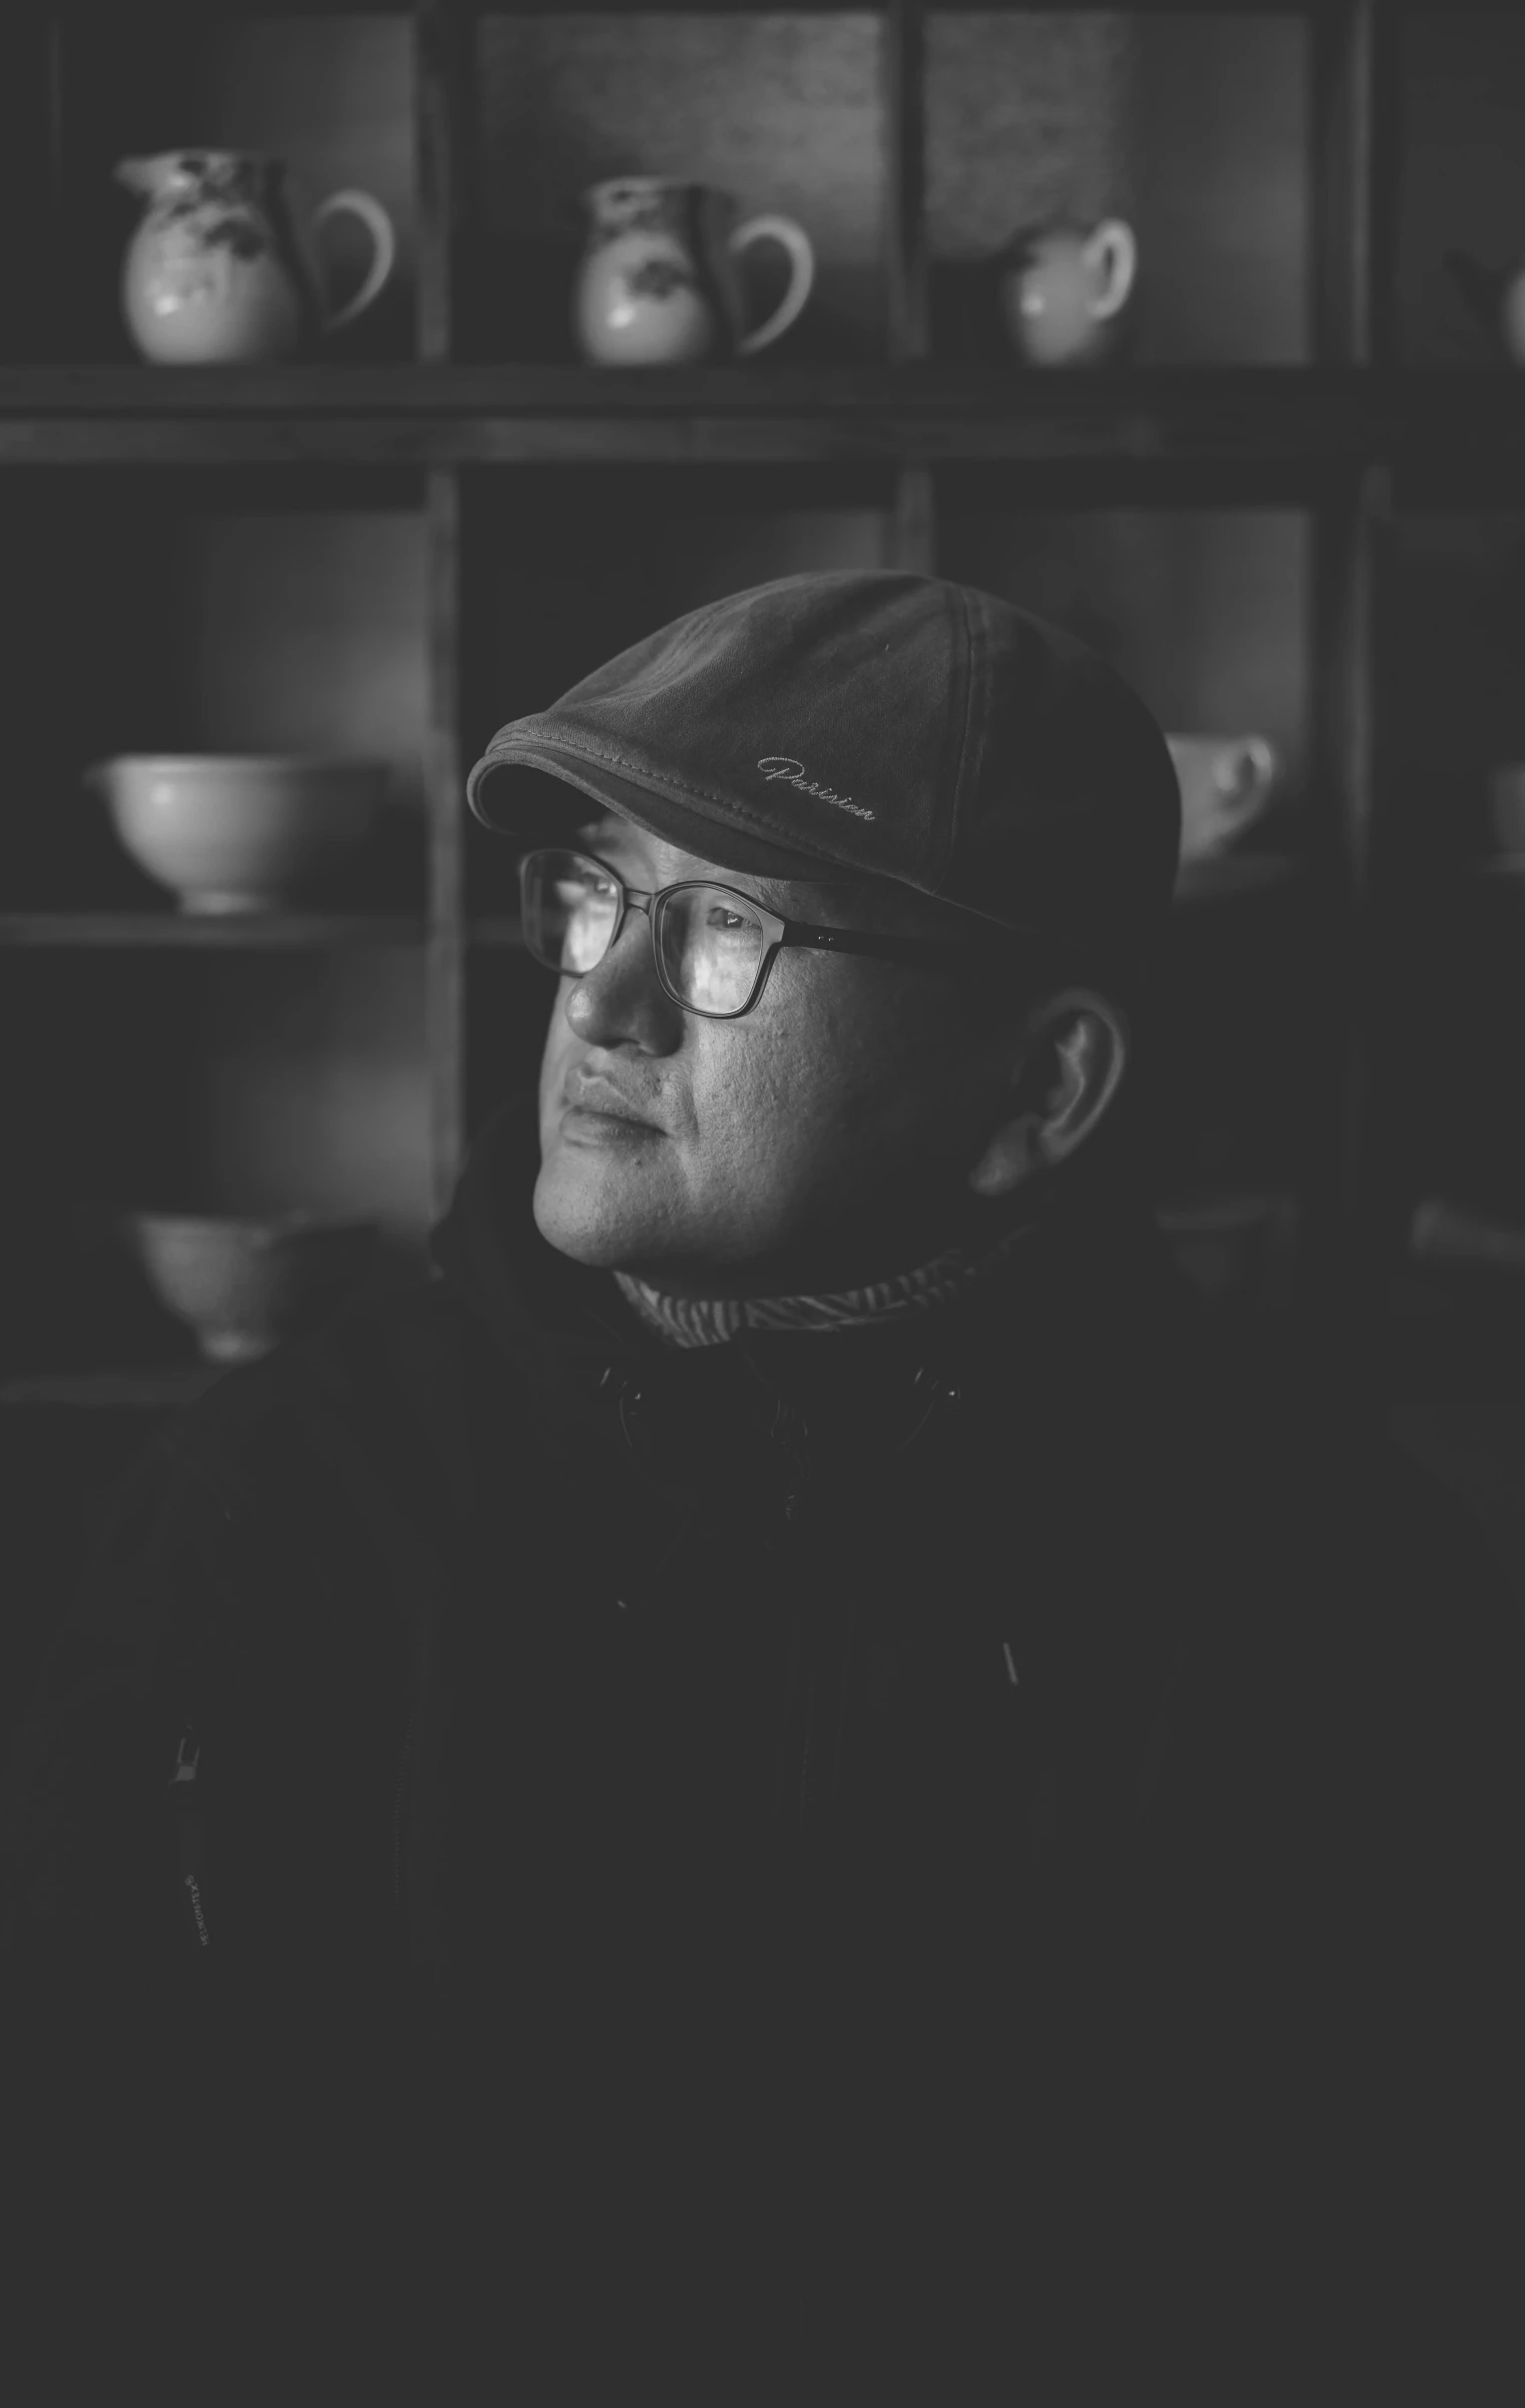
921	952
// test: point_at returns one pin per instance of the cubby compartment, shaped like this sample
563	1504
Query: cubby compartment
1460	97
1206	611
328	94
1191	127
1451	879
1452	641
1251	1008
208	1084
207	613
784	111
1203	609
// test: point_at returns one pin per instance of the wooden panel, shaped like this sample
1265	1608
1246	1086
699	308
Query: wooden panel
783	111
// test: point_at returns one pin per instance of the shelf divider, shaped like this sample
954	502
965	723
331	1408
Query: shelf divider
912	537
446	970
905	157
913	522
1356	65
1355	58
443	34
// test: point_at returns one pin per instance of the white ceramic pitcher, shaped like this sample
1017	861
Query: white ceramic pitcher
215	272
659	281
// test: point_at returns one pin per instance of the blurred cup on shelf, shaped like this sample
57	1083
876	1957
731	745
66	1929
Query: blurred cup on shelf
1506	806
242	1285
238	833
1443	1231
1226	783
1061	288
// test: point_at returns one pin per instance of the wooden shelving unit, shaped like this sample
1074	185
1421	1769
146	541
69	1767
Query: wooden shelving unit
1343	438
260	931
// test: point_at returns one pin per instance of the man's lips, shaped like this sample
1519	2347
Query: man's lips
588	1091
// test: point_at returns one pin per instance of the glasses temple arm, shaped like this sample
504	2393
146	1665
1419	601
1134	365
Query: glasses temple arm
889	949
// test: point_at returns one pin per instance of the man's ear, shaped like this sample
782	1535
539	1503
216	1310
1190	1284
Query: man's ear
1068	1066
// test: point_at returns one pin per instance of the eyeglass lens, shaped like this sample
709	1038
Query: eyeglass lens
709	946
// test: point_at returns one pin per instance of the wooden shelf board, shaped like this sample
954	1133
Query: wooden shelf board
235	932
498	388
1230	875
416	416
154	1390
174	10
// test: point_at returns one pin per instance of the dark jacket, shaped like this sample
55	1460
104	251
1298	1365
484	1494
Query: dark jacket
997	1823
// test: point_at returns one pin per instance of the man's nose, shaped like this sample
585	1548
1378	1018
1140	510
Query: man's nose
621	1000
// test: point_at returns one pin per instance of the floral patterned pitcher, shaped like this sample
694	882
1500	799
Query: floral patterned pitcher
215	272
659	282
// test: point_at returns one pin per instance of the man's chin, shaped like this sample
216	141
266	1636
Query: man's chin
581	1217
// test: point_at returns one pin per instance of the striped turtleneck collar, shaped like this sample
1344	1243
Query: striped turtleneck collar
709	1322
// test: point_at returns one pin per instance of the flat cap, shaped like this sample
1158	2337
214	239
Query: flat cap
876	725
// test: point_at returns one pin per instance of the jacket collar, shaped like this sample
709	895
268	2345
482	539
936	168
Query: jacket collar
1090	1294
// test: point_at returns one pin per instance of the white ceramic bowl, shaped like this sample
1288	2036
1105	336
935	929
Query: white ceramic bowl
243	1285
238	832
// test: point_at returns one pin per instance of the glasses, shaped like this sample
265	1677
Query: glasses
713	947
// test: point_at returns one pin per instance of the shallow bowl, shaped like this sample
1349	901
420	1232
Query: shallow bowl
245	1284
238	832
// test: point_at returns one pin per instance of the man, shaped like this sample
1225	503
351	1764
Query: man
780	1737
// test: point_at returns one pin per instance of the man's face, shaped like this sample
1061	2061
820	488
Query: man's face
823	1138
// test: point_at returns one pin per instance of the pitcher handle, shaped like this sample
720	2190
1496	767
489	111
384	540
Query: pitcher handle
1114	248
802	275
383	254
1245	773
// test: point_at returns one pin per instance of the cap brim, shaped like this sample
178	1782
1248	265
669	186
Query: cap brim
520	806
